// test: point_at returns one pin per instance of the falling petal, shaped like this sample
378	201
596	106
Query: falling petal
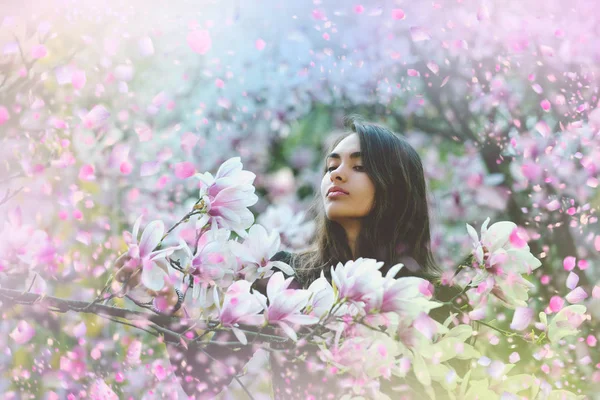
398	14
556	303
4	116
418	34
22	333
39	51
260	44
576	296
545	104
572	280
86	173
184	170
569	263
433	67
521	318
199	41
149	168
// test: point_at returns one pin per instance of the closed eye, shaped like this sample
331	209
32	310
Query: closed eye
356	167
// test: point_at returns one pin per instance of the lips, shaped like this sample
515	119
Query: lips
336	190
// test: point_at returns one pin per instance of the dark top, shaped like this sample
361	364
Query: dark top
205	372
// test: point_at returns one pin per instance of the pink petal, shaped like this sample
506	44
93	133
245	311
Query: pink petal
39	51
545	105
95	353
199	41
547	51
418	34
597	243
556	303
22	333
433	67
514	357
591	340
516	238
521	318
542	128
359	9
79	330
86	173
576	296
184	170
425	325
596	292
149	168
78	79
4	116
569	263
413	72
97	115
260	44
572	280
398	13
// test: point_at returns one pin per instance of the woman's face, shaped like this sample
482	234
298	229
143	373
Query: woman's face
345	172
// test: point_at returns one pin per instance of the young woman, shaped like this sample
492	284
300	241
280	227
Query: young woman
372	204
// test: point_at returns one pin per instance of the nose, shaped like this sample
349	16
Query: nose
337	175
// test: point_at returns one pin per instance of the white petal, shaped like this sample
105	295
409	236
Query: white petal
239	335
153	277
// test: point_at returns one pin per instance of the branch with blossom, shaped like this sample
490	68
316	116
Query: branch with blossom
368	326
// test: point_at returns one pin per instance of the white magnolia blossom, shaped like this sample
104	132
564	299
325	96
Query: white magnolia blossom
227	196
256	252
502	255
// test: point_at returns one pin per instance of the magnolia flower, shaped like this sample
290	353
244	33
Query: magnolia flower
504	256
359	281
407	296
227	196
285	305
22	247
153	263
322	298
256	252
240	306
212	265
294	231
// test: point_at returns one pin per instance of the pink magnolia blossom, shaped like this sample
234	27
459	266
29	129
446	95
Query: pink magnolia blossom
285	305
323	296
240	306
359	281
24	248
497	257
153	262
409	296
227	196
213	264
256	252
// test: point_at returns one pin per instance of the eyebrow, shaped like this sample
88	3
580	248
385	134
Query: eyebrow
356	154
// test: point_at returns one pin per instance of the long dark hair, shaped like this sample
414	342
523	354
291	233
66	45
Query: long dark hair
397	228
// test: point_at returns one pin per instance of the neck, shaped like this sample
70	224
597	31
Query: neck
352	228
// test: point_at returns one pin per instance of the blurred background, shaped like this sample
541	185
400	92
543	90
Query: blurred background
108	108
